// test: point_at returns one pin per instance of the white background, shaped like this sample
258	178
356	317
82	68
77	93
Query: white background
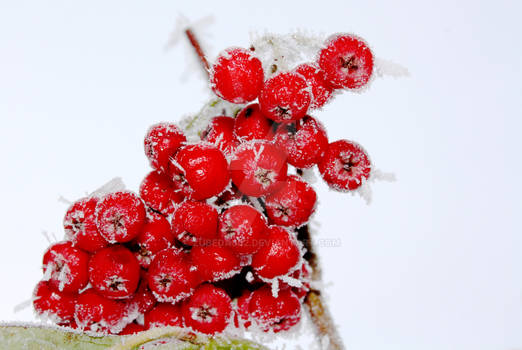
434	263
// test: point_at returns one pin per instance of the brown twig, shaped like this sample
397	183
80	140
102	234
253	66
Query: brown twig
197	47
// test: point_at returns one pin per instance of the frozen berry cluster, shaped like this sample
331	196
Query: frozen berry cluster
211	240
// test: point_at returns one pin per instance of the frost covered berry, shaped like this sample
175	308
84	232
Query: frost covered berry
142	300
347	61
120	216
164	315
344	165
208	310
304	141
279	256
52	304
159	192
285	97
114	272
215	262
242	310
293	204
237	76
251	124
156	235
195	222
65	267
258	168
220	133
98	314
80	225
274	313
161	142
315	78
201	169
132	328
170	277
242	228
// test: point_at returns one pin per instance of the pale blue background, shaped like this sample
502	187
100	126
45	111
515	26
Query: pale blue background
435	263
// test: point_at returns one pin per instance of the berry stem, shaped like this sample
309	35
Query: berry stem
197	48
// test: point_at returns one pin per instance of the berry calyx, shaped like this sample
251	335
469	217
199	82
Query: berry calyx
215	262
52	304
170	277
65	267
285	97
315	78
237	76
251	124
293	204
195	222
279	256
345	165
120	216
275	313
114	272
98	314
258	168
156	235
80	225
220	133
242	228
347	61
161	142
160	193
208	310
201	169
164	315
304	142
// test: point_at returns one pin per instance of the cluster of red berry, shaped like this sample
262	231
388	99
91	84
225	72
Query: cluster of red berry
211	239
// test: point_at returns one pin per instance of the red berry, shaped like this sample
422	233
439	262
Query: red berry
258	168
276	314
143	300
160	193
293	204
52	304
120	216
132	328
347	61
242	228
279	256
285	97
80	225
220	133
161	143
171	278
208	310
98	314
242	310
164	315
215	262
344	165
237	76
315	78
251	124
156	235
201	169
304	141
195	222
66	267
114	272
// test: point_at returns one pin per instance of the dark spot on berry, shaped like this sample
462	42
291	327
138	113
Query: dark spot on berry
283	111
165	281
248	112
205	312
350	63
